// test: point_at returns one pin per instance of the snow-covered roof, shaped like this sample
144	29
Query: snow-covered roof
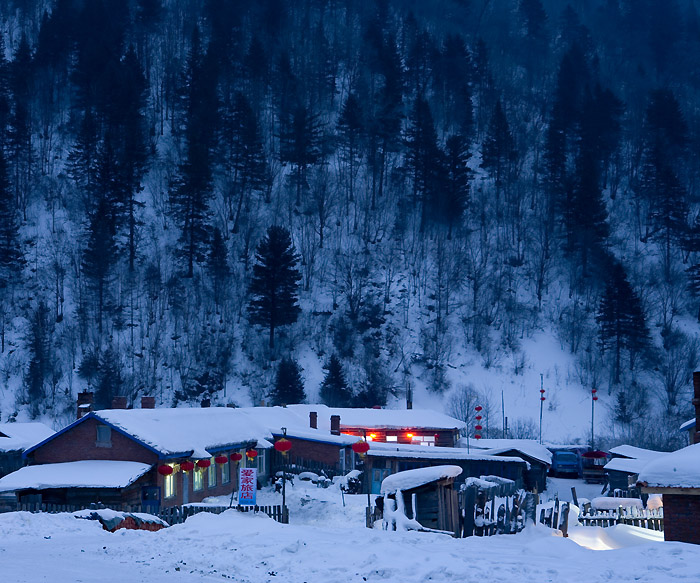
627	465
527	447
394	450
379	418
81	474
680	469
195	432
688	425
418	477
275	418
21	436
638	453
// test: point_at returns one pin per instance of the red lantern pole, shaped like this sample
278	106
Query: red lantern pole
478	427
542	399
593	400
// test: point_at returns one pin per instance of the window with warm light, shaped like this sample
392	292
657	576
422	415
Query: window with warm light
211	474
392	438
197	480
170	485
225	473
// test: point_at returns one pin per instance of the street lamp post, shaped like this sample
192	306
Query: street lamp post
542	400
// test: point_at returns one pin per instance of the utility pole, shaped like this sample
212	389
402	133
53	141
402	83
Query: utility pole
542	400
593	400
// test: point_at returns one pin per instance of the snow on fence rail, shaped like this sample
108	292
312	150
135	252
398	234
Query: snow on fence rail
653	519
172	515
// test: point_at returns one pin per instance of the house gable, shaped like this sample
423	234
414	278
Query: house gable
80	441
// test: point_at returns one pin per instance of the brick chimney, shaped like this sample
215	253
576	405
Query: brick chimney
148	402
313	419
86	399
119	402
335	424
696	403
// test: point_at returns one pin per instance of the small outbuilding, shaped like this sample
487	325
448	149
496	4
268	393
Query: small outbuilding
422	499
676	477
15	439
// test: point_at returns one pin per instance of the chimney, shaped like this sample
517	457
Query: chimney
335	424
85	402
313	419
206	403
148	402
696	403
119	402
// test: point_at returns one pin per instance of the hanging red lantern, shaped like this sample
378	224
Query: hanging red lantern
202	464
478	408
594	391
477	436
478	417
221	459
360	447
187	466
165	470
251	454
478	427
283	445
595	398
236	457
542	399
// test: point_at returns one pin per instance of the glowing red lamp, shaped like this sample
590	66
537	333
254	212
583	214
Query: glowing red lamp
202	464
283	445
251	454
360	447
187	466
165	470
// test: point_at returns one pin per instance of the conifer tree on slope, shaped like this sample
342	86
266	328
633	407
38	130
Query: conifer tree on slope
289	386
334	389
621	319
275	284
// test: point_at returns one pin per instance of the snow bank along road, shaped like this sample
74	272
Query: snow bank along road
254	549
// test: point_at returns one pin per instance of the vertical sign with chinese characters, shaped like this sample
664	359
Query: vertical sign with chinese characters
247	486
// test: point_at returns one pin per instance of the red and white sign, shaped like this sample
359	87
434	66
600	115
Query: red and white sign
247	486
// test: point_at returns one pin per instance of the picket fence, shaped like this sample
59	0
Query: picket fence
653	519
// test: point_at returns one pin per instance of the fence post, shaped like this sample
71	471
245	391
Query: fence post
469	499
565	521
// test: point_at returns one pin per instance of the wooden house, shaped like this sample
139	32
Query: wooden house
422	499
15	439
383	460
622	471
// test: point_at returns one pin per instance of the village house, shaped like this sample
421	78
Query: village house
676	476
622	471
408	426
538	457
15	439
158	457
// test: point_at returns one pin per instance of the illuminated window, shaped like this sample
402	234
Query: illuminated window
170	485
392	438
211	474
225	473
197	480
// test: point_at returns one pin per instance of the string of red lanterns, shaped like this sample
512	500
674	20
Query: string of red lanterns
478	427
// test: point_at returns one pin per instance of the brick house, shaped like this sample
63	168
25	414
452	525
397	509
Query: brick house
407	426
154	438
676	477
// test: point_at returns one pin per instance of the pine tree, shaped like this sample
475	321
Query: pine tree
11	258
334	389
621	320
109	378
455	198
39	358
498	154
99	257
218	266
289	385
275	284
351	135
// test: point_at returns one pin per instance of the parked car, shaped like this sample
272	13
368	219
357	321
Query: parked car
565	463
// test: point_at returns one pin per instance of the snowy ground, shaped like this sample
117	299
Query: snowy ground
326	542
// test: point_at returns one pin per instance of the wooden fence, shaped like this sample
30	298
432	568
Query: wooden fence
644	518
171	515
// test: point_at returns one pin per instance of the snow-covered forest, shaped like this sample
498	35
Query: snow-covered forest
437	183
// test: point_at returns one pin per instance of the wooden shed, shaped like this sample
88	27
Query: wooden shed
422	499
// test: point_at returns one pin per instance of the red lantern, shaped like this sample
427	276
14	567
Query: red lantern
201	464
478	408
221	459
595	398
236	457
594	391
360	447
477	436
542	399
478	417
478	427
165	470
283	445
251	454
187	466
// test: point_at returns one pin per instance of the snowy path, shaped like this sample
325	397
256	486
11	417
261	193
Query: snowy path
254	549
